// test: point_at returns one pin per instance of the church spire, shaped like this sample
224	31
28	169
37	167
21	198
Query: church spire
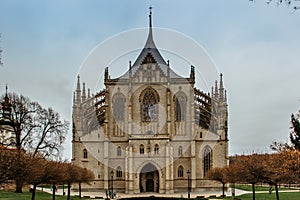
6	106
6	88
221	89
149	48
150	17
216	90
89	93
78	91
83	93
150	43
6	99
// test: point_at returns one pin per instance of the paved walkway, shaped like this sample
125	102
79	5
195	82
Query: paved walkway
93	195
207	194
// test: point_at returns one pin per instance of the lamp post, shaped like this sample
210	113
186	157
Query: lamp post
112	183
189	183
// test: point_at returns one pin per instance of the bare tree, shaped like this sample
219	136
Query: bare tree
35	129
295	4
49	135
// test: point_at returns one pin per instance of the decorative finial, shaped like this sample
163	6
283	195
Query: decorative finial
150	16
78	82
83	93
6	99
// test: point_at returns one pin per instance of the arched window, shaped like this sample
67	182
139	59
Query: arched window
119	152
149	107
156	149
207	160
142	149
180	105
180	151
180	171
119	172
85	154
118	105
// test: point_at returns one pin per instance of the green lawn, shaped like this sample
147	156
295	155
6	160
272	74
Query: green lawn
10	195
266	196
259	188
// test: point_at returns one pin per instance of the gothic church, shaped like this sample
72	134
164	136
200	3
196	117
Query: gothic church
150	130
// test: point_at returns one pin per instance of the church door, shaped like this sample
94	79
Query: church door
149	179
150	185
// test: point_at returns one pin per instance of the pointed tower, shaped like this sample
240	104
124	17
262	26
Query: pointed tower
78	91
83	92
221	89
216	91
6	107
89	93
150	52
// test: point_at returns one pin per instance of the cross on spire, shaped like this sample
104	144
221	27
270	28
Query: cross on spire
6	88
150	16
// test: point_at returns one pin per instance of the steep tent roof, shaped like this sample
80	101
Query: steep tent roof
149	49
150	54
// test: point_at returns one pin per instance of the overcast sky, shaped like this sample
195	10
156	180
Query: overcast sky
256	46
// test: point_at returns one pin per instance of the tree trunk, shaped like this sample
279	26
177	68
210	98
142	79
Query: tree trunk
19	185
276	189
63	189
223	189
33	191
79	189
253	191
69	191
19	182
53	191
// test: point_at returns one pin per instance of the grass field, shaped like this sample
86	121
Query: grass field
11	195
259	188
266	196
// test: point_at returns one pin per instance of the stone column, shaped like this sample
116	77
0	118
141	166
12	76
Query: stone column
106	164
193	165
167	174
130	172
168	111
171	170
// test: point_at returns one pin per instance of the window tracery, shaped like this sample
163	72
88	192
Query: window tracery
180	107
180	151
119	152
156	149
180	171
85	154
207	160
119	172
149	107
142	149
118	106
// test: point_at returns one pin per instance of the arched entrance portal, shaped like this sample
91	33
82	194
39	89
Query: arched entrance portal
149	179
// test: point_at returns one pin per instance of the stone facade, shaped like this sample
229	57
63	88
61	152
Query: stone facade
147	128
